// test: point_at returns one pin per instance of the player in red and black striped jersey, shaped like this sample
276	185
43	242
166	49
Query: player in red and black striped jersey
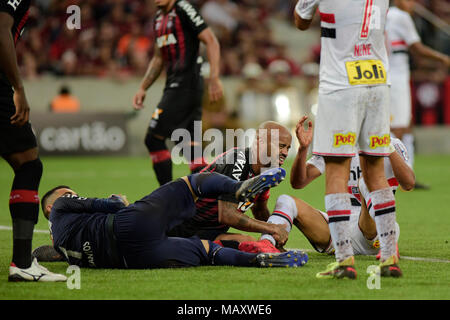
215	216
179	29
18	147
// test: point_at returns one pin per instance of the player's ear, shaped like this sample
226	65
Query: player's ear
48	209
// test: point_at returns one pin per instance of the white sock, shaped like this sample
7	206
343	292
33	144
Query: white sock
338	208
408	141
383	202
284	213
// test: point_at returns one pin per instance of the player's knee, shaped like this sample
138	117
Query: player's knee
29	173
153	143
287	203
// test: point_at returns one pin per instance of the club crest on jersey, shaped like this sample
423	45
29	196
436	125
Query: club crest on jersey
166	40
377	141
341	139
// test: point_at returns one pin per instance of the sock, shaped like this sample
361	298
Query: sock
383	202
212	184
338	208
24	209
408	141
284	213
162	165
222	256
196	160
161	158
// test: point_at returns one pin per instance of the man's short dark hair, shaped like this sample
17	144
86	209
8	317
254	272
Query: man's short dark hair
48	194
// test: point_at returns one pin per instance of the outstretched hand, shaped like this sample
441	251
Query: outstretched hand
304	137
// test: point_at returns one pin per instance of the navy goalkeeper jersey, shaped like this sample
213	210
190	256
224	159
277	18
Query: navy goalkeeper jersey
79	230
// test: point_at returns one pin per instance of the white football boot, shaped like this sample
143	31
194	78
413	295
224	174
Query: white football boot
35	272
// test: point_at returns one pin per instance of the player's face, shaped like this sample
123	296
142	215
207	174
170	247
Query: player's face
405	5
275	143
57	194
284	146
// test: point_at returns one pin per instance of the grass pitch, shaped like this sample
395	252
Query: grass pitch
423	216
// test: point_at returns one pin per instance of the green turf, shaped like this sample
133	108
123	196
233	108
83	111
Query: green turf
423	216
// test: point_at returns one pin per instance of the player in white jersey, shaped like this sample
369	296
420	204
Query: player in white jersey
402	39
313	223
353	110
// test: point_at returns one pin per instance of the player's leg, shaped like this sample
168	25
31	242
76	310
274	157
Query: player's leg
160	156
338	123
222	256
195	157
374	145
290	210
24	203
24	209
212	184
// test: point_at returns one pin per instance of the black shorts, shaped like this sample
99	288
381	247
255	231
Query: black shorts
187	229
140	229
13	139
178	108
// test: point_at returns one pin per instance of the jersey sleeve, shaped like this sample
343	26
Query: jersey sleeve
192	18
306	8
408	30
76	204
318	162
6	6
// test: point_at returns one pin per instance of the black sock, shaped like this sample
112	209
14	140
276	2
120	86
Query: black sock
220	256
24	209
163	171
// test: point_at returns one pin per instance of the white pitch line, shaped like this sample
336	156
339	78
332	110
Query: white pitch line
8	228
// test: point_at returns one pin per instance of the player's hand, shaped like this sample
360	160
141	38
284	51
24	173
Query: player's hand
22	108
280	234
304	137
215	88
122	198
139	97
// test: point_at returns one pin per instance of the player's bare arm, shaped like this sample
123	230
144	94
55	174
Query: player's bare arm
261	211
213	52
8	64
301	23
419	49
301	172
231	216
153	71
404	174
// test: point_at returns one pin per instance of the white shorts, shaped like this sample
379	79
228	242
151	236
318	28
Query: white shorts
401	110
353	119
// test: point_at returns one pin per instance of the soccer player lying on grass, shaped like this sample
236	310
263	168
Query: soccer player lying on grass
313	223
215	216
108	233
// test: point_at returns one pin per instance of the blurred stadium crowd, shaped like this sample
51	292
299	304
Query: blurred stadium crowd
116	37
116	41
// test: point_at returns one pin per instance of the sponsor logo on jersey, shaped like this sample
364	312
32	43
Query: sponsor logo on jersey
341	139
365	72
377	141
166	40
